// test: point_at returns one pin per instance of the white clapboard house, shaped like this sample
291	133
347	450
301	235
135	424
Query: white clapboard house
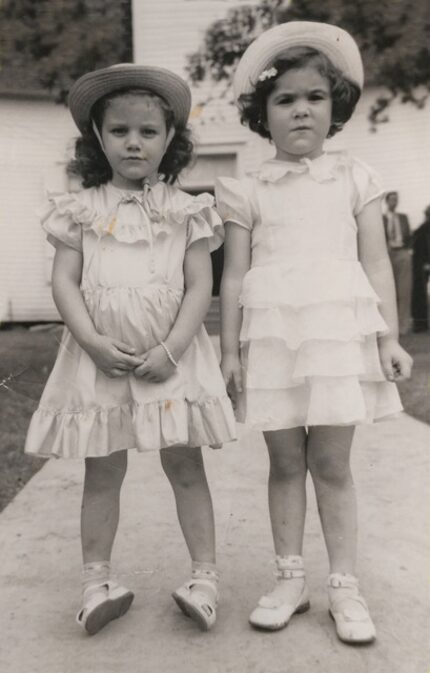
36	136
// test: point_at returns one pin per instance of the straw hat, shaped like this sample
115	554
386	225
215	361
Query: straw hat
338	45
89	88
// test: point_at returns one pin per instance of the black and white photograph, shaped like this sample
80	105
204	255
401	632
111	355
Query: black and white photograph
214	336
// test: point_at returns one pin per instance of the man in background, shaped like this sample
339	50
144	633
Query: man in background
399	240
421	273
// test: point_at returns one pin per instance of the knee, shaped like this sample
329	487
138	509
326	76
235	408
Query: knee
183	471
288	468
106	473
329	472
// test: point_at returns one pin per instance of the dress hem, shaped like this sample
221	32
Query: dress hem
146	427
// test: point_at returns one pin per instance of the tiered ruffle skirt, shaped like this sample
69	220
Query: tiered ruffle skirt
309	347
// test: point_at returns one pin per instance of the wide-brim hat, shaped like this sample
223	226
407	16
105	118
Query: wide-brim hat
334	42
89	88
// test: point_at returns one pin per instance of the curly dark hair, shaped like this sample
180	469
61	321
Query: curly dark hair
344	93
90	163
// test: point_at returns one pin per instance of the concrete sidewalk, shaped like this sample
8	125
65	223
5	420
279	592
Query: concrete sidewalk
40	565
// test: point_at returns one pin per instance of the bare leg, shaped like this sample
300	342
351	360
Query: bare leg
185	470
101	505
287	489
287	504
328	455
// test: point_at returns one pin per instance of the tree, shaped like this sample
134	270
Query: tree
53	42
393	35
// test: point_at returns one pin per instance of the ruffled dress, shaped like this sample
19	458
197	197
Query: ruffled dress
310	316
133	246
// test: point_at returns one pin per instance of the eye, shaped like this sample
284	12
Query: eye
118	130
317	95
285	100
148	132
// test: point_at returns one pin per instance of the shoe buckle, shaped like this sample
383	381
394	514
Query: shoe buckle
287	574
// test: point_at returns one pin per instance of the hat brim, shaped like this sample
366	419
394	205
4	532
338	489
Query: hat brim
334	42
89	88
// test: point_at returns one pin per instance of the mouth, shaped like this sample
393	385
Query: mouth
302	128
133	159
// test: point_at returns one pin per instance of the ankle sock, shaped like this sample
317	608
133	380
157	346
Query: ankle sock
205	570
94	574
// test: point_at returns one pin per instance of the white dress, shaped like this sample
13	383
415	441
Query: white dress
133	248
310	316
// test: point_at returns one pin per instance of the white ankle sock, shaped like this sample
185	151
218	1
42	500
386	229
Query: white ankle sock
94	574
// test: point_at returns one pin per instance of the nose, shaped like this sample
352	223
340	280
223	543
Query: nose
301	109
133	140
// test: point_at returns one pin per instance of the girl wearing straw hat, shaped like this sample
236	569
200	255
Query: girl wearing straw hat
136	369
309	327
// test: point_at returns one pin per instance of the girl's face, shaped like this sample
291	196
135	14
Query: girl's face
299	114
135	139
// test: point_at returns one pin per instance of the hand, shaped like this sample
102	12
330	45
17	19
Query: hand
155	366
113	357
231	369
396	362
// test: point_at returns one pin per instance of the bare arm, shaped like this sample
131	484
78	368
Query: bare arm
373	255
66	279
197	297
113	357
237	260
195	304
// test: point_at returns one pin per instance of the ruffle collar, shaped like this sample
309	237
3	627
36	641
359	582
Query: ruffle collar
321	169
131	216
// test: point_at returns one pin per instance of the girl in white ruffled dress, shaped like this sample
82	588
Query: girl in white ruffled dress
309	328
132	280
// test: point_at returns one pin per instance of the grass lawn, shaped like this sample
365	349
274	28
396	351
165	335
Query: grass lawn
26	358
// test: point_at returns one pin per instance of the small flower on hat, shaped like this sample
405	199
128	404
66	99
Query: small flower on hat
267	74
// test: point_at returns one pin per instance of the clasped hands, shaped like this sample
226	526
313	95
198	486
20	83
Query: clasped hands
116	358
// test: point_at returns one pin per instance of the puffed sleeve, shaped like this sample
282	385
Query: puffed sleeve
204	222
63	219
366	185
233	202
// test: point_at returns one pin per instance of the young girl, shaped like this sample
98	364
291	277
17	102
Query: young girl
136	369
306	350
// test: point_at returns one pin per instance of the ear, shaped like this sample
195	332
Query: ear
170	137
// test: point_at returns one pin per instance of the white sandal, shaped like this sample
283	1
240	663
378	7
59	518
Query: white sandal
274	612
106	601
349	610
198	598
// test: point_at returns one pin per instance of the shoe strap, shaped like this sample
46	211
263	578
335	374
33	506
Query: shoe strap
203	590
342	581
289	567
95	592
344	600
286	574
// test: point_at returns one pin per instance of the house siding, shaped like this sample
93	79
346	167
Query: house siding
35	134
